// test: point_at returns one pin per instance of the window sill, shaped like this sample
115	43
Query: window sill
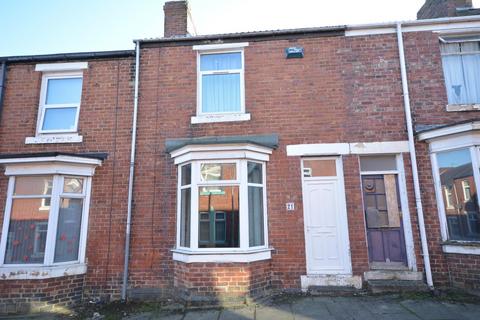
211	118
222	257
462	247
40	272
58	138
463	107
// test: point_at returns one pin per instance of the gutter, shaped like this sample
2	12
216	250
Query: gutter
3	77
413	158
408	23
130	178
70	56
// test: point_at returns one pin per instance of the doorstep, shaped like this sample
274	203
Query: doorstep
320	280
404	275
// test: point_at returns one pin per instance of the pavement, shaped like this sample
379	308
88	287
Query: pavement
333	308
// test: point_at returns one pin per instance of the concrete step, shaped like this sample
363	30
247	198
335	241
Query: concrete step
405	275
333	290
395	286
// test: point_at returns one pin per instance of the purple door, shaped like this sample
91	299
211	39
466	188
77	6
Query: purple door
386	243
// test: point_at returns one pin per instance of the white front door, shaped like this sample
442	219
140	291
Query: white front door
326	228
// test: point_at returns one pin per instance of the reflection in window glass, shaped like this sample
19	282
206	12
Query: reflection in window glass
185	217
218	217
378	163
73	185
319	168
68	230
460	194
27	232
218	171
33	185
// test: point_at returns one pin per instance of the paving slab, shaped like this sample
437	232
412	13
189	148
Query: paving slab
466	310
430	310
310	308
276	312
202	315
246	313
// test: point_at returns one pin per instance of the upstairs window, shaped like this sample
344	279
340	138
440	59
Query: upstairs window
60	103
461	67
221	82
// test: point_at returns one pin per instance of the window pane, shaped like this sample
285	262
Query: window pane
255	216
255	172
319	168
462	79
27	232
221	93
186	174
73	185
218	171
218	217
68	90
59	119
463	219
185	206
378	163
220	61
34	185
68	230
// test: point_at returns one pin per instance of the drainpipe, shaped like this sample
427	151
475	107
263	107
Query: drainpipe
130	178
413	157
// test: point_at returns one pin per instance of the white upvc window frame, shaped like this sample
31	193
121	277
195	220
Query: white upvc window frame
242	182
57	194
59	167
207	117
220	154
475	158
43	106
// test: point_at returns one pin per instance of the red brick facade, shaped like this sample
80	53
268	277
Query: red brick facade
345	90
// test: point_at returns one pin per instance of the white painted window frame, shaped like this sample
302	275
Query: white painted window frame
57	194
402	187
208	117
244	253
454	246
43	106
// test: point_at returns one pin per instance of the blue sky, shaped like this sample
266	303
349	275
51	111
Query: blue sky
55	26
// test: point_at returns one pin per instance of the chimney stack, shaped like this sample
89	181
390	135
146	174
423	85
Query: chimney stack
178	21
446	8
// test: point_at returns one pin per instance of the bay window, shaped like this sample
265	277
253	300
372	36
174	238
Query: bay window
456	176
221	205
44	234
46	215
221	198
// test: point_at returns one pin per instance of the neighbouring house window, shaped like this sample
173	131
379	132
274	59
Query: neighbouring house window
59	103
461	68
456	176
222	204
44	219
221	82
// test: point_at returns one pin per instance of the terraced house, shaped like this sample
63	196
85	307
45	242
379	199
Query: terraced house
233	166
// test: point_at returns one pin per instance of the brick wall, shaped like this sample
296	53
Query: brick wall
221	282
329	96
105	122
20	296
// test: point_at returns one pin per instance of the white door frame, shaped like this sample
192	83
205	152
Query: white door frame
342	206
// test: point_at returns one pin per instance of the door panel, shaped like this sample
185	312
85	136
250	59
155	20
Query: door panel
386	243
326	228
